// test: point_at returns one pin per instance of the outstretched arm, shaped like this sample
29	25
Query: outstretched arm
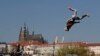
74	10
71	9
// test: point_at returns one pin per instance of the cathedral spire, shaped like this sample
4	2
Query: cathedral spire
20	34
25	27
33	31
27	31
23	33
20	29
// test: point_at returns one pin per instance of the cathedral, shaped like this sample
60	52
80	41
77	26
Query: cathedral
25	36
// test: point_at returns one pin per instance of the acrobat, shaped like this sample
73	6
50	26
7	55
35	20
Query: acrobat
74	19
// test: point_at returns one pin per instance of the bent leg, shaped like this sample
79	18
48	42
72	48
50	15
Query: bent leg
77	18
77	22
85	15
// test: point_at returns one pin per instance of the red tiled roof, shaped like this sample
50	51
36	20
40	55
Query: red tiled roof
80	43
93	44
24	43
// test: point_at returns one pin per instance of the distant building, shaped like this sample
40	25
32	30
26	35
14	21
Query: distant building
25	36
3	47
50	49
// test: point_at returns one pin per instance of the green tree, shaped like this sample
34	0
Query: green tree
73	49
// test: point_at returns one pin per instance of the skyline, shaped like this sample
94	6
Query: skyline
48	17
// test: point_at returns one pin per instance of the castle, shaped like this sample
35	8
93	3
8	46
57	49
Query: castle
25	36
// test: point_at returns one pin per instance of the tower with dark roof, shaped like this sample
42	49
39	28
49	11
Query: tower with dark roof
23	33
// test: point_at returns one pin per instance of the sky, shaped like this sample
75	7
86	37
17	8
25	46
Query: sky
48	17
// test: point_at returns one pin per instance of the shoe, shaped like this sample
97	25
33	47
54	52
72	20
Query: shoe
87	15
65	29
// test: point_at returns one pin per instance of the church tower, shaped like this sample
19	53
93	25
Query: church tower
23	33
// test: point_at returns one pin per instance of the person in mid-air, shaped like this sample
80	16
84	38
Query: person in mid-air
74	19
